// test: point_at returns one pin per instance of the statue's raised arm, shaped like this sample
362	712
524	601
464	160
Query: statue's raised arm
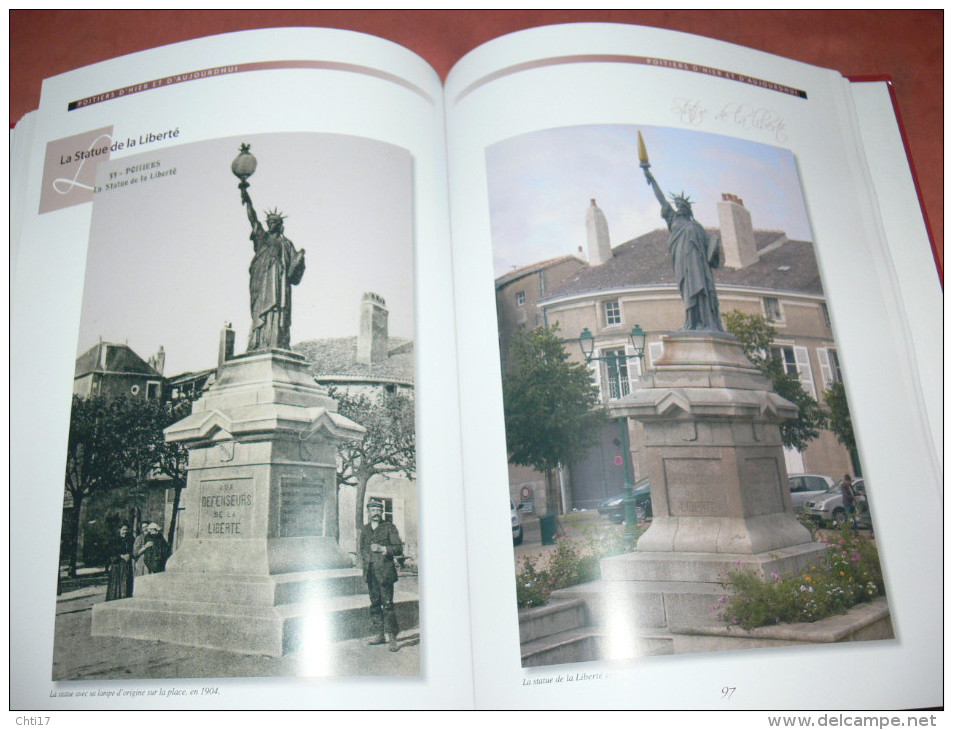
249	208
691	253
659	195
275	268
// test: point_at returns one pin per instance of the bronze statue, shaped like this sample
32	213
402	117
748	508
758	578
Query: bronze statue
694	254
276	266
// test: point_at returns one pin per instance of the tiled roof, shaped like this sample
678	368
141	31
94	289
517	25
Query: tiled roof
530	268
783	265
190	376
336	357
118	359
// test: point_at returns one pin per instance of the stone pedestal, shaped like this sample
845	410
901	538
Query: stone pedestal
720	497
259	560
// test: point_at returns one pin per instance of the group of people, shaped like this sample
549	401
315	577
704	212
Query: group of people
379	546
130	557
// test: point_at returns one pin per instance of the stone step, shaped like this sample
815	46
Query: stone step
555	617
573	645
654	645
643	566
251	629
650	605
266	590
564	631
590	643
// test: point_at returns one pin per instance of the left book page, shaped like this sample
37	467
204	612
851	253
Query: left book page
235	384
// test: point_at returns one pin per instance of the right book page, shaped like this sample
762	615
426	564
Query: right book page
561	256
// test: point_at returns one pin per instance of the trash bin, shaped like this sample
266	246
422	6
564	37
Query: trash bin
547	528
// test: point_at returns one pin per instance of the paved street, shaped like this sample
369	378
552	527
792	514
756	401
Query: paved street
78	655
575	525
578	524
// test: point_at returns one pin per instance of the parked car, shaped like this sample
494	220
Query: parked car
829	506
517	524
808	486
613	508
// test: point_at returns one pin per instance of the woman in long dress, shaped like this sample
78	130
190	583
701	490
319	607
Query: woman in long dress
120	566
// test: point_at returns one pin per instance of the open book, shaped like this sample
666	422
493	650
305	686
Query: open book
172	210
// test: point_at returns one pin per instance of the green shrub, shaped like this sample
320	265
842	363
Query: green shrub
808	522
531	588
847	574
570	563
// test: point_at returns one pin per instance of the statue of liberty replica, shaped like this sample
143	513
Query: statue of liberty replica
694	254
260	529
708	436
276	266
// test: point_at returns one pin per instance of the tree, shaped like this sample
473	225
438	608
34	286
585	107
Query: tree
840	421
142	441
94	458
172	458
119	442
551	406
389	445
841	424
756	336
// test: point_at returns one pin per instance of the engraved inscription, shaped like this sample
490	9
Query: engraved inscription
695	488
225	508
301	508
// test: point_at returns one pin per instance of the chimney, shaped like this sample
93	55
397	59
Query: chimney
737	234
157	361
226	345
372	337
597	231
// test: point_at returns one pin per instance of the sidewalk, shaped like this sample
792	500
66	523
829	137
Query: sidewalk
78	655
575	525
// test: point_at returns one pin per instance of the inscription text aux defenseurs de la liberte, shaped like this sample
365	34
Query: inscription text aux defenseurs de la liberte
218	503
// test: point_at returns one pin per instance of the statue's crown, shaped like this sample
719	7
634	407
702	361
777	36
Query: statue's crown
274	214
681	198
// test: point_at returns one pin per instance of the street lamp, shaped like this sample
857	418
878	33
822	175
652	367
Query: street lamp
587	344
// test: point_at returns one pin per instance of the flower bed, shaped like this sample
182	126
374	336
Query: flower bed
847	574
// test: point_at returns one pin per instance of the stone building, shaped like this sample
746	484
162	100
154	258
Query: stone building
112	369
632	283
372	364
518	292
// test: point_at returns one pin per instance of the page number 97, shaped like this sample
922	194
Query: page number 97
727	692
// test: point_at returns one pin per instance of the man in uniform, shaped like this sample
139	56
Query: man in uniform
380	543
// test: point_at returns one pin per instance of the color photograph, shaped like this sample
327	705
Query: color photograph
683	473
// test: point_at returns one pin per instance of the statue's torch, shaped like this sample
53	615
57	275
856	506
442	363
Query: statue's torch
243	166
643	154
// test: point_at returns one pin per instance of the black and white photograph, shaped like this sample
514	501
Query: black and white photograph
240	481
683	472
